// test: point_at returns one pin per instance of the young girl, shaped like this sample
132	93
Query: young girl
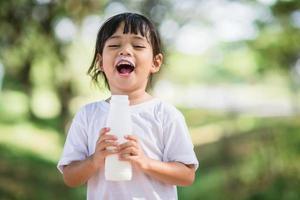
128	52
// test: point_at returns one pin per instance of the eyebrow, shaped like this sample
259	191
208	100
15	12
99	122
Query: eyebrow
119	36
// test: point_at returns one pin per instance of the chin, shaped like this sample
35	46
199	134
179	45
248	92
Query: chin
126	88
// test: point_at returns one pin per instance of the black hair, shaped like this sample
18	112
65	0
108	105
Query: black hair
133	23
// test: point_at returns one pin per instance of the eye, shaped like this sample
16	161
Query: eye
114	46
139	46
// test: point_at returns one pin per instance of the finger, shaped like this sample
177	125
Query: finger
131	137
104	130
108	145
107	137
107	149
127	157
108	152
130	151
128	144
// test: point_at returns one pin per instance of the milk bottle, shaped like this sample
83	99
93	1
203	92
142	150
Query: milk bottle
119	122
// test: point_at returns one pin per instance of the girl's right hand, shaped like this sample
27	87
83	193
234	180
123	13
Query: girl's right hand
106	145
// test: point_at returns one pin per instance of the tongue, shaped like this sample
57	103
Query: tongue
125	71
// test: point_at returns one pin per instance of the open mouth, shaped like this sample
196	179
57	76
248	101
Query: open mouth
125	67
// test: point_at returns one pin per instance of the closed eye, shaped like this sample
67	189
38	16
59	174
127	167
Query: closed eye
114	45
139	46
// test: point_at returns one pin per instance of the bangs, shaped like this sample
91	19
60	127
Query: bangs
135	26
133	23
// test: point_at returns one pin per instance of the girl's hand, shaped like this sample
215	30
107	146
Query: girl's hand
106	145
131	151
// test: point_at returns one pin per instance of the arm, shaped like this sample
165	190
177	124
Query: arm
174	173
78	172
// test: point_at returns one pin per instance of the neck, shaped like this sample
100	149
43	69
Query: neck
135	97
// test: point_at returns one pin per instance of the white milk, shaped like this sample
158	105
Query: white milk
119	122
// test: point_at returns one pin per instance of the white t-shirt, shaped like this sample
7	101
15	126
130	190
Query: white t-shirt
163	135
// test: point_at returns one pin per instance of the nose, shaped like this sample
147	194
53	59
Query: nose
126	51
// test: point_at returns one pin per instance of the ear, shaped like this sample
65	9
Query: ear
99	62
157	62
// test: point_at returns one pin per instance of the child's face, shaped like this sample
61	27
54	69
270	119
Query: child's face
127	61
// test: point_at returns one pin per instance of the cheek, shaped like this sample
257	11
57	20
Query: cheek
147	58
107	61
107	68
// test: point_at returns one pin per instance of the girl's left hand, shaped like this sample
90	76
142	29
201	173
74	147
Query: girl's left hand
131	151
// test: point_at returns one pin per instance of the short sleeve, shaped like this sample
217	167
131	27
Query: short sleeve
76	145
178	144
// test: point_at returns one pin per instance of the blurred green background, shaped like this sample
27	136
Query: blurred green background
232	68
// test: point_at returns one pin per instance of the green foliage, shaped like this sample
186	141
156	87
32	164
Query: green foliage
183	68
254	158
34	57
260	164
25	176
277	46
14	106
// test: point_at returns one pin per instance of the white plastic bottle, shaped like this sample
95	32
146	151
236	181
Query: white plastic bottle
119	122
